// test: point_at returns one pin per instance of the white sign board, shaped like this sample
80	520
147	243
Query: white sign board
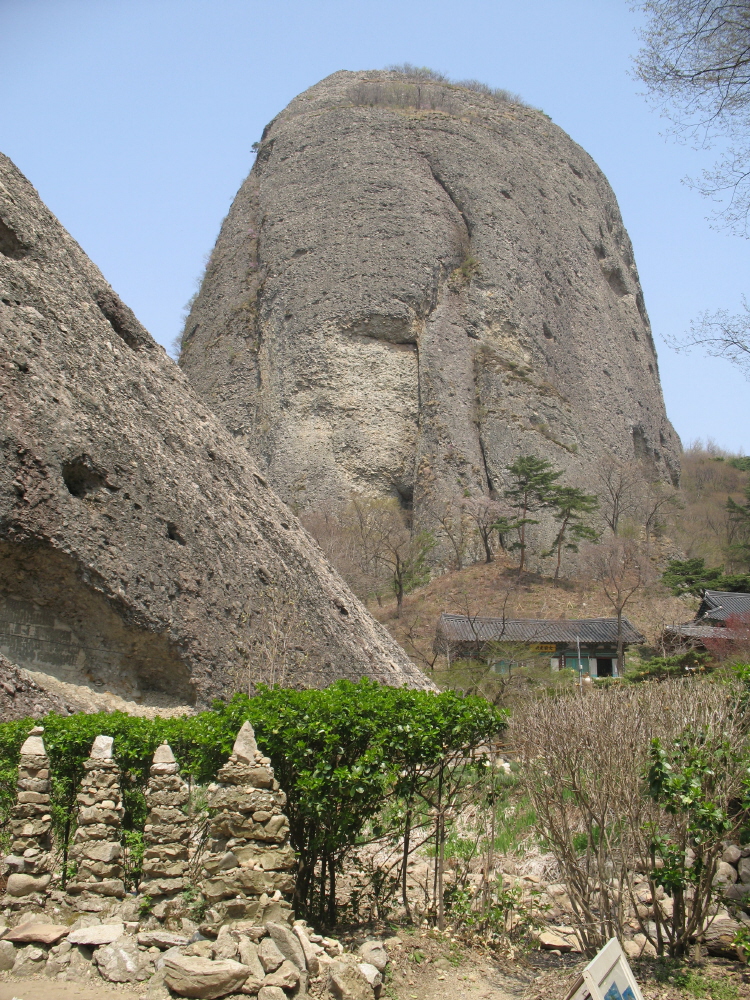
607	977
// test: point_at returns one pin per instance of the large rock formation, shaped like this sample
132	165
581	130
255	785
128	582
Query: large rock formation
141	551
417	283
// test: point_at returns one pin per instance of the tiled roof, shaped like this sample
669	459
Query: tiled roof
462	628
691	631
719	605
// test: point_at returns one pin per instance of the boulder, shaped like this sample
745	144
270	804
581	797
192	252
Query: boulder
99	934
23	885
37	933
33	747
270	955
245	746
725	874
288	944
101	748
551	941
311	958
743	868
248	952
203	978
271	993
161	939
738	893
346	982
123	962
371	974
286	976
375	954
7	956
732	854
719	936
29	961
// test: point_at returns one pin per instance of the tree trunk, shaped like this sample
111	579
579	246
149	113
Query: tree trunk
620	648
405	861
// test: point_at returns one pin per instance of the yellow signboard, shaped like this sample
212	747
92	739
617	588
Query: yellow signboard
543	647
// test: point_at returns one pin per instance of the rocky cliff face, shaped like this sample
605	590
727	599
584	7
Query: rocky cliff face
141	550
416	284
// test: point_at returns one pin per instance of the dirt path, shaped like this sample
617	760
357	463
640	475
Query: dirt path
40	988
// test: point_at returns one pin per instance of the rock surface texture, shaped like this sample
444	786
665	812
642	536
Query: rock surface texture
141	551
249	861
416	284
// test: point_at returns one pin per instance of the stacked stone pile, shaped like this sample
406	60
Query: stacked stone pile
96	848
249	860
167	830
30	825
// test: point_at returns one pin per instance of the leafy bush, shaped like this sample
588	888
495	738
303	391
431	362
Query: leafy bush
338	754
692	576
661	668
649	779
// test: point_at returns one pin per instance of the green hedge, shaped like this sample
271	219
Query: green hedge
338	753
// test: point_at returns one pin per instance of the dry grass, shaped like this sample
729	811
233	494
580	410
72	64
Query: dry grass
493	590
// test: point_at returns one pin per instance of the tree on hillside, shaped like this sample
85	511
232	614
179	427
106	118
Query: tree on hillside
488	516
622	570
532	488
621	487
739	515
401	552
695	62
570	507
659	501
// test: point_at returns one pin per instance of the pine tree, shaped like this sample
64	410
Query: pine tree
532	488
571	506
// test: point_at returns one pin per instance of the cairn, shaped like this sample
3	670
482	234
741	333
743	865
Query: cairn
249	860
96	847
30	825
167	830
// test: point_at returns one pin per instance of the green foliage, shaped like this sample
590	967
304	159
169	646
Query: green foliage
571	507
497	912
692	576
661	668
338	754
532	487
741	462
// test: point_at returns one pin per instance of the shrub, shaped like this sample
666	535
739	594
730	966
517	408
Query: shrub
647	779
338	754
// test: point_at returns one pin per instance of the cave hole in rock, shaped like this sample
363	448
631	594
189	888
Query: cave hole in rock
120	318
405	497
83	477
547	332
56	625
10	244
173	533
615	281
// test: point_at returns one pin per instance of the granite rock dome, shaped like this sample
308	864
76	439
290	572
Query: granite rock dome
416	283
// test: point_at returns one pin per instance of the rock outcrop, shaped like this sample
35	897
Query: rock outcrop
141	550
416	284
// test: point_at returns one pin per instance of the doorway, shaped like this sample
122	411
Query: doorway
604	666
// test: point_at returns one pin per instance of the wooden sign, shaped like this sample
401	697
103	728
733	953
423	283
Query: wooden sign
607	977
543	647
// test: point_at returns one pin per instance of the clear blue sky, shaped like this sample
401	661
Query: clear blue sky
135	118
